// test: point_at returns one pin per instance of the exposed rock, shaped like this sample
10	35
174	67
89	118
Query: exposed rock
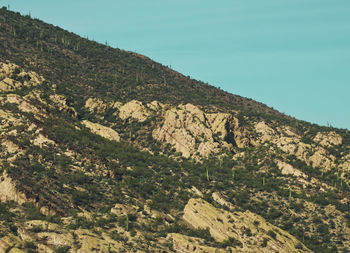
218	123
101	130
7	119
95	105
328	139
183	243
289	142
10	74
61	102
93	243
224	225
41	139
218	199
10	243
134	109
196	191
321	158
155	106
10	147
345	164
120	210
23	105
266	132
194	133
287	169
8	190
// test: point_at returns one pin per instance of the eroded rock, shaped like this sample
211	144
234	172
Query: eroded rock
224	225
134	109
101	130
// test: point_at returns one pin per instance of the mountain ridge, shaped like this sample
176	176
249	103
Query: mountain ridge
105	146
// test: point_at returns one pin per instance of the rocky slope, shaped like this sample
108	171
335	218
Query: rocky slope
94	161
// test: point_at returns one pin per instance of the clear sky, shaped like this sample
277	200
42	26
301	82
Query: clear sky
293	55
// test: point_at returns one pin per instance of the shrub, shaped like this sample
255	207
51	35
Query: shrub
62	249
272	234
264	243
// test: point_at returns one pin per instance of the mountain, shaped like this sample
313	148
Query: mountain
105	150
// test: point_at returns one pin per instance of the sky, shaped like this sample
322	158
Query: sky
293	55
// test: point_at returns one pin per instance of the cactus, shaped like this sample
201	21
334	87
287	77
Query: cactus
207	173
127	223
263	181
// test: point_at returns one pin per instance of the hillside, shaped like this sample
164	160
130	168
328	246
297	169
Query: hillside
104	150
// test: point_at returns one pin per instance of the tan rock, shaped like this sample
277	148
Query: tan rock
218	199
155	106
10	147
183	243
194	133
134	109
23	105
218	122
223	225
287	169
328	139
91	242
10	243
266	132
95	105
61	102
41	139
121	210
101	130
8	190
321	158
7	70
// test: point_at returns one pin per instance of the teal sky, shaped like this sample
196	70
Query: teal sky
293	55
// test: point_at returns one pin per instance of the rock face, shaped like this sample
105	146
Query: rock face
61	103
103	131
290	143
247	228
287	169
183	243
12	77
8	190
328	139
134	109
23	104
195	133
95	105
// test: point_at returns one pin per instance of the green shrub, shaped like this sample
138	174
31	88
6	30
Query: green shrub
62	249
264	243
272	234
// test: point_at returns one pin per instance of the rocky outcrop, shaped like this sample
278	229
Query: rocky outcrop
101	130
287	169
95	105
8	190
61	103
247	229
41	140
10	244
290	143
194	133
183	243
23	104
134	109
12	77
328	139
